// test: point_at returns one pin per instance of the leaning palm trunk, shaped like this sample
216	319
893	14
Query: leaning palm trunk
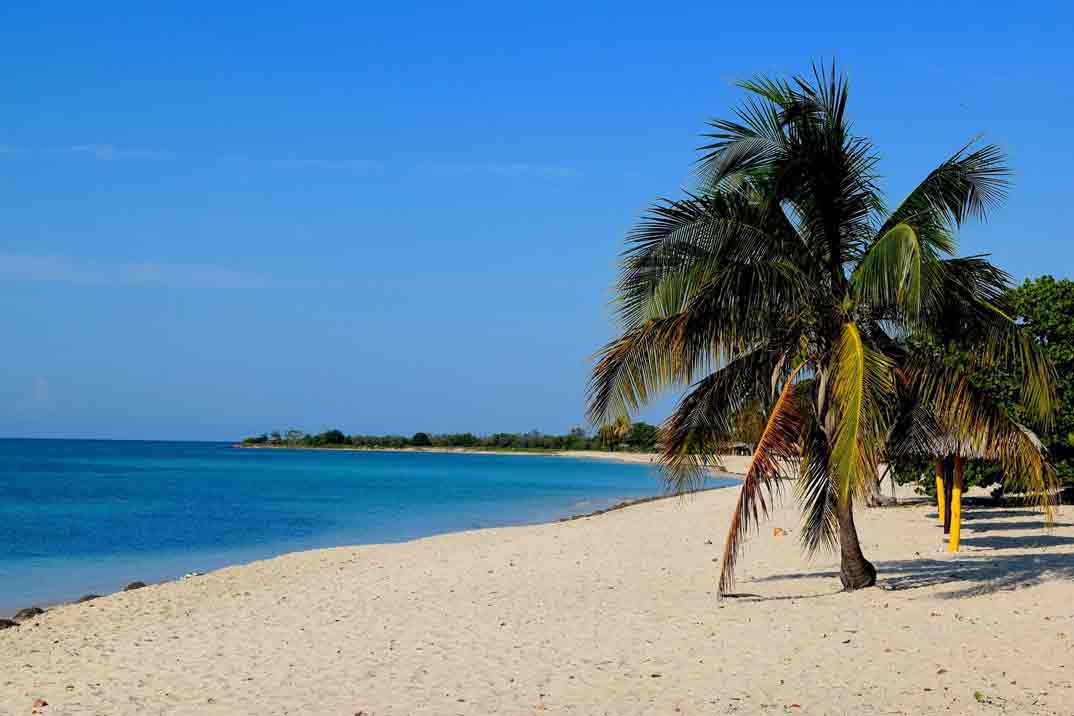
783	281
855	571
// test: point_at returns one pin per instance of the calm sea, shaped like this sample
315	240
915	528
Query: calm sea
81	516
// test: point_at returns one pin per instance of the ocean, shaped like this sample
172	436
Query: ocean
90	516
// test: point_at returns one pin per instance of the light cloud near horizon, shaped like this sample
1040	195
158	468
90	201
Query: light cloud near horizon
90	272
114	152
111	152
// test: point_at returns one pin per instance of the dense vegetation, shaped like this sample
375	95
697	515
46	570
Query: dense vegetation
639	437
1045	309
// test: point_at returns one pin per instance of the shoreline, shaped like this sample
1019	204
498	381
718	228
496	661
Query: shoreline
731	464
442	450
611	615
9	613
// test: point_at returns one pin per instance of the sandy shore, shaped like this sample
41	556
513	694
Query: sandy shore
733	464
614	614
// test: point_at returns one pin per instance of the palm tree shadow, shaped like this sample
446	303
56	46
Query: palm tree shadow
984	574
751	597
990	526
1021	542
989	514
986	514
980	571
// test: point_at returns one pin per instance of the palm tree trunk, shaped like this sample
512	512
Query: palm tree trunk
855	572
956	506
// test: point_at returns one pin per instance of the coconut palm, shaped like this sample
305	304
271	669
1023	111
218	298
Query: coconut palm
784	280
612	433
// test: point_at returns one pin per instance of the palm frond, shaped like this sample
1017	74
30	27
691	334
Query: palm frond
635	367
970	183
697	236
861	383
706	418
889	275
817	491
738	149
967	421
716	318
774	451
964	300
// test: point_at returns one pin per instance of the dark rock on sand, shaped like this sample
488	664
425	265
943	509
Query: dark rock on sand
28	613
88	598
134	585
7	624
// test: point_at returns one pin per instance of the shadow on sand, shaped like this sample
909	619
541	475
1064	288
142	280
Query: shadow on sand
979	571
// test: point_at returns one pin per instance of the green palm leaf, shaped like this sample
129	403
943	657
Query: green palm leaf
861	383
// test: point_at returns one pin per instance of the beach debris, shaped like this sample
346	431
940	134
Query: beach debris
983	698
87	598
38	704
778	532
134	585
28	613
7	623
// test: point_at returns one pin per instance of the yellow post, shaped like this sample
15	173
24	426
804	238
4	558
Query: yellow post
956	506
939	490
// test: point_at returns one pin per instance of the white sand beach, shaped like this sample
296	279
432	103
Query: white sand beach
614	614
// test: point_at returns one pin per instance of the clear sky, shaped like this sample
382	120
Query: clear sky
390	217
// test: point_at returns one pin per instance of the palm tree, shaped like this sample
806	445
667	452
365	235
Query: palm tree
612	433
784	280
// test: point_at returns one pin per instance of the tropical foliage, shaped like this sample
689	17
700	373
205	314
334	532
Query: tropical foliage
636	436
1044	307
784	281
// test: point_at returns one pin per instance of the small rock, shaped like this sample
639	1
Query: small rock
134	585
28	613
87	598
7	623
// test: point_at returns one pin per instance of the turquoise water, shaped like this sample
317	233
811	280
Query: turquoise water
80	516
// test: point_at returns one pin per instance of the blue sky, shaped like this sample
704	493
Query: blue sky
407	217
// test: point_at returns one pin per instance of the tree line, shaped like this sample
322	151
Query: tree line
636	437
